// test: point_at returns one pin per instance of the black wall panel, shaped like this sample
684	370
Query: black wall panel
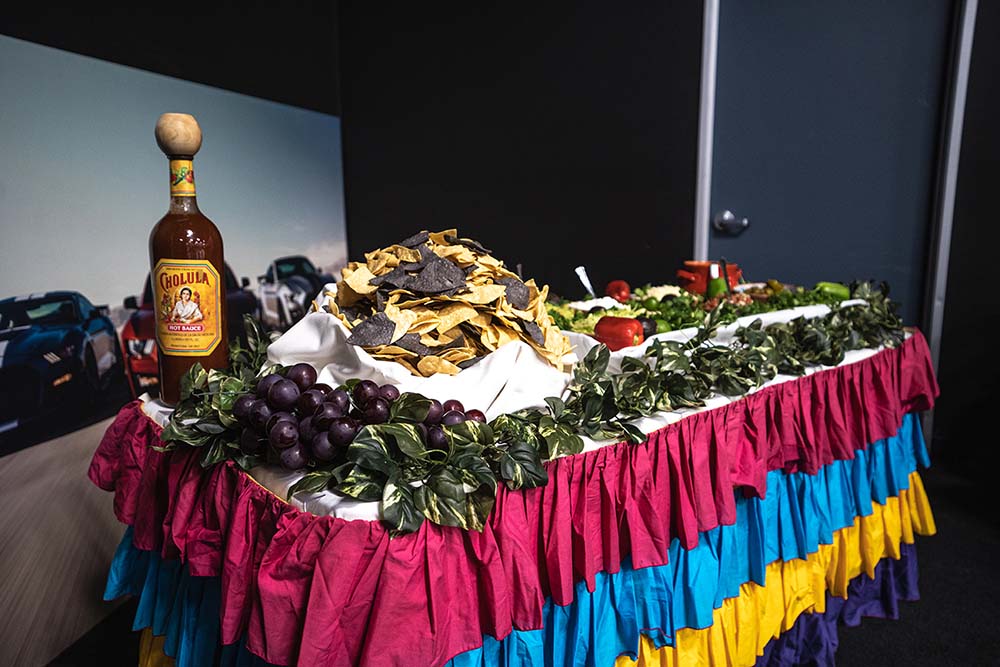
558	134
282	52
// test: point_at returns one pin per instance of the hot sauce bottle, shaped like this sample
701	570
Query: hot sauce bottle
186	267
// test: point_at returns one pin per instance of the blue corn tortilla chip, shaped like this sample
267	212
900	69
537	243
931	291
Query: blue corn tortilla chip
397	278
411	343
517	292
376	330
534	331
417	239
425	256
438	276
468	362
472	244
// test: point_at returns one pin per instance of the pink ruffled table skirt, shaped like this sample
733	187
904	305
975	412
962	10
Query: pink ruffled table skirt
305	589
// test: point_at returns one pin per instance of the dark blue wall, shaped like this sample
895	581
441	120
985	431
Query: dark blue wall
828	118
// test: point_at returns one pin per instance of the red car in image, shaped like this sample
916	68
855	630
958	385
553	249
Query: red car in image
138	336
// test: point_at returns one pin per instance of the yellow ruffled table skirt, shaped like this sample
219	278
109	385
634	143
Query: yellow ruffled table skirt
745	624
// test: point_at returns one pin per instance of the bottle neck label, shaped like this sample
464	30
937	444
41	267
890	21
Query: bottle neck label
182	178
188	302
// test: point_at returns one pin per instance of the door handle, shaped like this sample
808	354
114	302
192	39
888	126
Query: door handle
726	222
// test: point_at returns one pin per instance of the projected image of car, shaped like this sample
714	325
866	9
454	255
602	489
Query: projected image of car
287	290
55	348
139	333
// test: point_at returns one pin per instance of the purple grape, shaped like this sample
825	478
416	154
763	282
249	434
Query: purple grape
388	392
365	391
294	457
342	431
325	388
250	442
325	414
279	417
260	412
434	412
340	398
377	411
283	395
264	384
308	401
436	438
356	414
322	448
303	375
452	404
306	430
453	417
283	434
241	407
475	416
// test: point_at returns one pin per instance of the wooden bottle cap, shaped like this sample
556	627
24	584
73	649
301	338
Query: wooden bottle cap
178	134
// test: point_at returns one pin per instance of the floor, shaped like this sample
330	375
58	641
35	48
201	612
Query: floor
58	534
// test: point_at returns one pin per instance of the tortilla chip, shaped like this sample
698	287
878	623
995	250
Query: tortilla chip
454	314
444	294
430	365
458	254
403	319
376	330
380	262
439	237
359	280
394	352
482	294
457	355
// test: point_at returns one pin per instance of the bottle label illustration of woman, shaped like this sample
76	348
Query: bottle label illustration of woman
187	294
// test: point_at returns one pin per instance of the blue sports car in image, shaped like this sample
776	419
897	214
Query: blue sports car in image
54	347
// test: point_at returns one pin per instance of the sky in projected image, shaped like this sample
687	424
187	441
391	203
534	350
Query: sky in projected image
83	181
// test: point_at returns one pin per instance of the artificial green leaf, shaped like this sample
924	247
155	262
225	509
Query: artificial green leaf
469	432
409	407
446	482
521	467
406	436
556	406
214	454
632	433
399	511
440	509
361	484
369	450
312	482
190	380
209	427
561	441
247	462
478	506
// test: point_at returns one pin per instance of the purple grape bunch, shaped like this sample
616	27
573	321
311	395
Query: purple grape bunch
302	421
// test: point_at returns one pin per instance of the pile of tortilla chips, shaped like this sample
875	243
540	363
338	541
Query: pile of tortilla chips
436	303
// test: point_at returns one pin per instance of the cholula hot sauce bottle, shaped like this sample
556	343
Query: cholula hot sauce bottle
187	268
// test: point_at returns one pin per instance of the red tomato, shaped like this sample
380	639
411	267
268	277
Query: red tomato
618	290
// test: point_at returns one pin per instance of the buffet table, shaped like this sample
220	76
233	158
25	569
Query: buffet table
740	533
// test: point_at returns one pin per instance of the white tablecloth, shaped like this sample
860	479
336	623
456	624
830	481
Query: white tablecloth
512	378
